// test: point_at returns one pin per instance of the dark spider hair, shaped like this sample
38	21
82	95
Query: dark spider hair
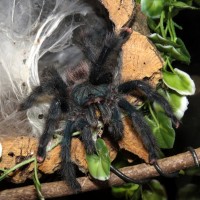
93	85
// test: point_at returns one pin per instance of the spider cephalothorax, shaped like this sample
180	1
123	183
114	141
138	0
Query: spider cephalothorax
93	86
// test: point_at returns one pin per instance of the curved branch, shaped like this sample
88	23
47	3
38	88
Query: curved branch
141	171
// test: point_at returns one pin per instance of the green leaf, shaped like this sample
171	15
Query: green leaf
178	102
176	53
183	48
101	148
99	165
158	39
175	50
162	130
157	192
152	9
182	5
179	81
129	191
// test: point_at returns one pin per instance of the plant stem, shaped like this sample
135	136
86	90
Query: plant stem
171	25
6	172
152	113
168	63
161	24
37	182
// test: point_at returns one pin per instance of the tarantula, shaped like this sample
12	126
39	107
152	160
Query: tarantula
92	91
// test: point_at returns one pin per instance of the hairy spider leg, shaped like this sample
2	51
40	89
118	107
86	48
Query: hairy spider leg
49	128
115	126
86	135
91	115
105	112
57	87
152	95
112	46
68	170
55	84
142	129
32	98
96	76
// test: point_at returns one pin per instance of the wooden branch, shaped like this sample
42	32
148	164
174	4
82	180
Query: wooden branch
141	171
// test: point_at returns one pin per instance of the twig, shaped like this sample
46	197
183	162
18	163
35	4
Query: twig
141	171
